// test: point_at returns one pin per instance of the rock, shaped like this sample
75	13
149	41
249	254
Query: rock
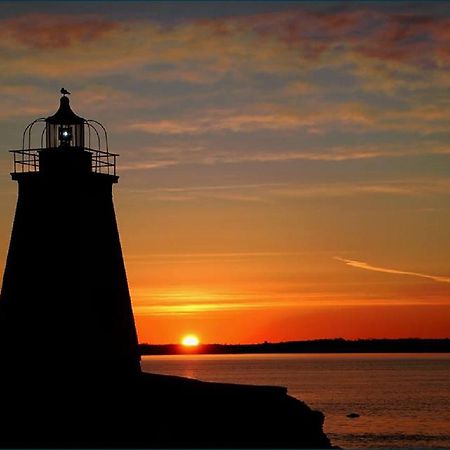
154	411
353	415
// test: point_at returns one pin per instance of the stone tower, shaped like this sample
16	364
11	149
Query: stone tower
64	301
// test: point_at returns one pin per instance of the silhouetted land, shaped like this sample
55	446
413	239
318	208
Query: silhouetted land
314	346
67	409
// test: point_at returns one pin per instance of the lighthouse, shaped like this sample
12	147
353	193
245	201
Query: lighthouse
65	300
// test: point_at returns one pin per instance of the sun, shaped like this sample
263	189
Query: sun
190	340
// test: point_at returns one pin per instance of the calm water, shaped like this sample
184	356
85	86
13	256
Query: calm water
403	399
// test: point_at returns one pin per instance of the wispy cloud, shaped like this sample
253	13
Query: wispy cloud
376	51
148	302
207	50
201	258
44	31
366	266
153	159
263	192
187	152
257	117
325	116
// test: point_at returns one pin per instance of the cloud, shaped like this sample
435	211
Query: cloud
19	100
185	301
265	192
55	31
241	192
342	189
188	301
349	116
366	266
280	71
206	50
186	152
189	257
257	117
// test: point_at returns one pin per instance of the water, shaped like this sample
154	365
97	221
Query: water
403	399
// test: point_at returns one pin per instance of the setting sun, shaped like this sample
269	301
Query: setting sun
190	340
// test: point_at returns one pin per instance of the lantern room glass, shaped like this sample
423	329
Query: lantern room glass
55	139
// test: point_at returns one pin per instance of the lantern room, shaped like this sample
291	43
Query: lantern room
63	136
64	128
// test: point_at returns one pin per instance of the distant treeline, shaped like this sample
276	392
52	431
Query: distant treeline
315	346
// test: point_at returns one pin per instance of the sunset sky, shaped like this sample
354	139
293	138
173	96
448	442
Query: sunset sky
284	168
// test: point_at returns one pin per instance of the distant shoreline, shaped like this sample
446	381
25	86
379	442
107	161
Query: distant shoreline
411	345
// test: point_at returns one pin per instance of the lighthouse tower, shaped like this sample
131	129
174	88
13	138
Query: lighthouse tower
64	301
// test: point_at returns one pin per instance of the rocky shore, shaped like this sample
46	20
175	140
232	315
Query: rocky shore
152	411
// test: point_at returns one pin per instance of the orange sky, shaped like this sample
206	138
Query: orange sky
284	166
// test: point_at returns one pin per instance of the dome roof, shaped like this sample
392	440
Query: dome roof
65	115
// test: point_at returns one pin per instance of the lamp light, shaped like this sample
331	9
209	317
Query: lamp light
65	135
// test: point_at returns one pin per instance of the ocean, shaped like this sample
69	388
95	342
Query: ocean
403	399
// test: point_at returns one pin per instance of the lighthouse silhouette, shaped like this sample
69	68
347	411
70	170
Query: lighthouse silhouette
65	298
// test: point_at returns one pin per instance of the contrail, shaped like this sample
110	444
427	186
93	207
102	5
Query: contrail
363	265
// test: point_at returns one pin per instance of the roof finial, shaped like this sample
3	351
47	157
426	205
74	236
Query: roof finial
64	92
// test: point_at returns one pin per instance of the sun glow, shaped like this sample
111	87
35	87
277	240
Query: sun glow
190	340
